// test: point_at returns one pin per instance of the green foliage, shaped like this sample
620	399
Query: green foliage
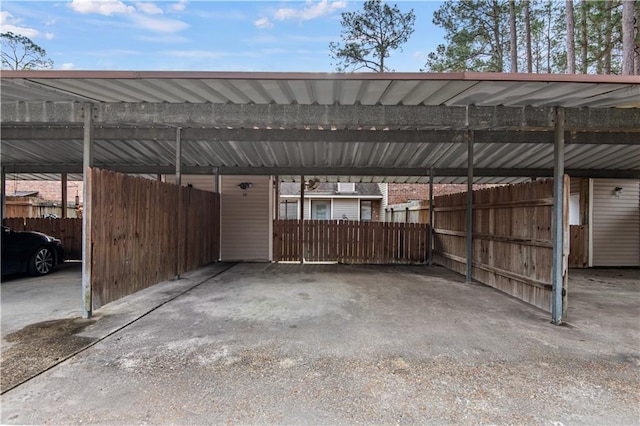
20	53
477	36
370	35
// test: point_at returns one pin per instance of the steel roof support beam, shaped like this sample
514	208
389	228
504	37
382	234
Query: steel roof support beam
87	164
326	171
557	223
341	116
117	134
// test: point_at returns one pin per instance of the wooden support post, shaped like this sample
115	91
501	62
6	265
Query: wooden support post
558	213
87	243
276	212
301	238
65	195
216	182
469	137
431	215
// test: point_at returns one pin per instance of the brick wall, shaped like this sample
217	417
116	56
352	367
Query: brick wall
375	210
48	190
405	192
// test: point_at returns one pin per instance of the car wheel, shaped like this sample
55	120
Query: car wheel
42	262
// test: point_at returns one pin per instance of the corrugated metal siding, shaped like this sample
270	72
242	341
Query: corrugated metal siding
324	89
616	223
246	219
348	207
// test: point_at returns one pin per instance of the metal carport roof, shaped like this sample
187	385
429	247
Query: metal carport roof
391	127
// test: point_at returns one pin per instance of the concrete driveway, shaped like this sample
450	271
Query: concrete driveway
27	300
334	344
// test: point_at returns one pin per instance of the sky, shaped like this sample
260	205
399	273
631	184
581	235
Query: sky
192	35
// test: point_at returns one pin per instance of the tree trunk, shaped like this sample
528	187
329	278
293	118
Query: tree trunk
607	36
527	26
637	41
628	43
583	38
571	48
513	36
498	50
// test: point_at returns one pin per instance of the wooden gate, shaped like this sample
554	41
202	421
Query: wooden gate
348	241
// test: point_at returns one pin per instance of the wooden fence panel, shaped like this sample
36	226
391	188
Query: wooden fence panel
146	231
579	246
348	241
512	248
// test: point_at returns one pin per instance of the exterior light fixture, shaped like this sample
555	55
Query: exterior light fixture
617	191
245	185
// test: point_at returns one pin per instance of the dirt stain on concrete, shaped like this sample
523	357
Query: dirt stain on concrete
39	346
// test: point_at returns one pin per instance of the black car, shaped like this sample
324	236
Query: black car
32	252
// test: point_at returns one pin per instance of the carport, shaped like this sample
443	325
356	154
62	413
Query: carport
435	128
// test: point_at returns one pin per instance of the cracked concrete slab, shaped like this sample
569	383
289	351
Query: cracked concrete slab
273	343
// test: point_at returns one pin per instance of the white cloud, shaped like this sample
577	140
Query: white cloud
148	8
67	66
103	7
48	36
159	25
50	22
311	10
180	6
263	23
10	24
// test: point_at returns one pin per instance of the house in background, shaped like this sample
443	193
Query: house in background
604	216
338	201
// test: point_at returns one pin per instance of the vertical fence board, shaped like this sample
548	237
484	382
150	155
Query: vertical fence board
140	237
348	241
512	238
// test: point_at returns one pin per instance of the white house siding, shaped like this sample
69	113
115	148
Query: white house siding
616	223
348	207
246	219
307	208
384	189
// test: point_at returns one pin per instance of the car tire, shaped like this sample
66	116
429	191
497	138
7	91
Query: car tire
42	261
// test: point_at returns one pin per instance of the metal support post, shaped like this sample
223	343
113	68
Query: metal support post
469	138
179	223
301	241
87	243
431	216
558	214
3	190
179	156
